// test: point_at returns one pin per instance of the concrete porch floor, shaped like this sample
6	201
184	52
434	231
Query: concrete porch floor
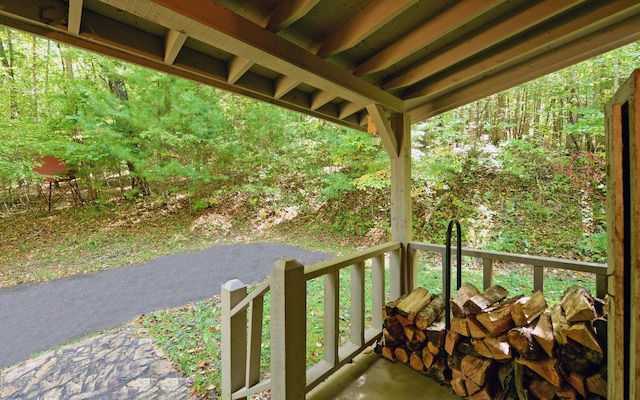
371	377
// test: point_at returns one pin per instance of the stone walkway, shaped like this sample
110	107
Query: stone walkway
115	365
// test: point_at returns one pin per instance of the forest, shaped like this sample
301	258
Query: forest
522	170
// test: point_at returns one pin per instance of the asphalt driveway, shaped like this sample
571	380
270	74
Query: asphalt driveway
36	317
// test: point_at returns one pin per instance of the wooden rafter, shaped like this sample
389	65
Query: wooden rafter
75	16
172	45
613	36
320	98
426	34
219	27
538	41
367	21
237	67
522	20
288	12
284	85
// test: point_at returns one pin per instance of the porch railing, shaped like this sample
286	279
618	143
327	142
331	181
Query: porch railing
288	285
243	315
539	264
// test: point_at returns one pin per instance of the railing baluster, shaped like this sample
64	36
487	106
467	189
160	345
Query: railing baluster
395	274
331	317
377	292
538	278
234	338
288	330
255	341
601	285
487	273
357	304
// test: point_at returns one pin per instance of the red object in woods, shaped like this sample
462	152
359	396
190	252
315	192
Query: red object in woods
51	166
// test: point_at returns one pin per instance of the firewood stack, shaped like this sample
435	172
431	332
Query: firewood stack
500	347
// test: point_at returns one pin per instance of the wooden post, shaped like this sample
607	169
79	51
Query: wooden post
538	278
487	273
623	207
377	292
331	317
233	338
401	207
288	330
356	329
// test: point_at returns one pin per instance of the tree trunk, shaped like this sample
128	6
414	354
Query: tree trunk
119	89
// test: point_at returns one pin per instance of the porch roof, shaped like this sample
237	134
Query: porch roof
341	60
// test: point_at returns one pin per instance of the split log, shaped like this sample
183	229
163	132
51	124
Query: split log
578	383
476	330
476	369
466	347
496	320
566	392
387	352
550	369
414	302
484	394
522	340
459	325
560	324
542	390
459	298
579	358
527	309
484	300
543	334
598	383
415	361
402	354
436	334
394	328
458	386
432	349
437	370
431	313
471	386
577	304
499	347
390	309
427	358
451	342
583	334
481	348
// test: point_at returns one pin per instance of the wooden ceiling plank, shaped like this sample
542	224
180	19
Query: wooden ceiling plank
320	98
383	126
284	85
509	27
287	12
75	16
367	21
219	27
237	67
609	38
546	37
172	44
423	36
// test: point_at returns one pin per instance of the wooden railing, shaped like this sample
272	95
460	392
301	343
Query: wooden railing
290	378
538	263
243	314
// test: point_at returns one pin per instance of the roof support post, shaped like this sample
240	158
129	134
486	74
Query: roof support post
401	207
